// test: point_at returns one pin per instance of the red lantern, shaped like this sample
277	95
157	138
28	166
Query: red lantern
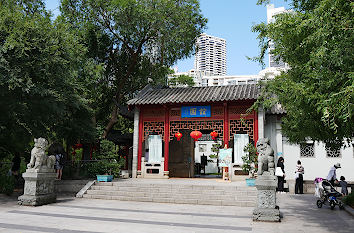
214	135
196	135
178	135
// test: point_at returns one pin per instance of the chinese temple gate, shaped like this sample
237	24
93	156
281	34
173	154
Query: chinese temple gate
160	113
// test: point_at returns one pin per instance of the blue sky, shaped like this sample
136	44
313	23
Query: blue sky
231	20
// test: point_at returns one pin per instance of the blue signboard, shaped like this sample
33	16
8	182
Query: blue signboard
196	111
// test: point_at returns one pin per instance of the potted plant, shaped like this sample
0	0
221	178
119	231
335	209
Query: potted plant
250	163
106	162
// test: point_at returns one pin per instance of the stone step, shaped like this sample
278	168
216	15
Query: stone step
158	189
178	186
174	200
173	195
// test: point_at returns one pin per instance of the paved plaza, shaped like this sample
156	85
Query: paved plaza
69	214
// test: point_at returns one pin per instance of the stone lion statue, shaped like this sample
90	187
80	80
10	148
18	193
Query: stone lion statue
265	156
38	157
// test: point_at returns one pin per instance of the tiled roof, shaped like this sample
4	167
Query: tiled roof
277	109
167	95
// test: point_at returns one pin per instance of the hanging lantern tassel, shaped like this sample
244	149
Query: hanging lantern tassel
196	135
214	135
178	135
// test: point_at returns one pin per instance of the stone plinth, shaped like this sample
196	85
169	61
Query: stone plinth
39	187
266	209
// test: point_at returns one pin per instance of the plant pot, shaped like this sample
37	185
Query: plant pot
104	178
250	181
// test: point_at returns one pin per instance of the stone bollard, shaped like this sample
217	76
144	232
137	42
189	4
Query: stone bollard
266	209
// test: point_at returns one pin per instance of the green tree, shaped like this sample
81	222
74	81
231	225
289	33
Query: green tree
250	160
39	88
316	40
183	80
142	38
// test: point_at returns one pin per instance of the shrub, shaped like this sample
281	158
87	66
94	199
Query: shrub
250	161
349	200
7	181
105	161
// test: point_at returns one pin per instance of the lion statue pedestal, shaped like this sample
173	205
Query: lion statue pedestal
266	209
39	177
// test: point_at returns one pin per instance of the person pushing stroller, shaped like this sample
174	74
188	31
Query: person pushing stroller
332	175
328	195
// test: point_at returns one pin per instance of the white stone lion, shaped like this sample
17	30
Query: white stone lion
265	157
38	157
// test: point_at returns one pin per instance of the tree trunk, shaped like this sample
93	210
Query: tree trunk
111	122
118	95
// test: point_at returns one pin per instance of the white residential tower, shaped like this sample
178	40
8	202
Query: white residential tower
211	55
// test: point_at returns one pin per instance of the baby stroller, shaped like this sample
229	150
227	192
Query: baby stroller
327	194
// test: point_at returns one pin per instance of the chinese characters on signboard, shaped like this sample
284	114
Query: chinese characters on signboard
196	111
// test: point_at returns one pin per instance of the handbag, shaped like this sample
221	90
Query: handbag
279	172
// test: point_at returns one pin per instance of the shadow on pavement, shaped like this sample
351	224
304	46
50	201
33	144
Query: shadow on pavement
304	209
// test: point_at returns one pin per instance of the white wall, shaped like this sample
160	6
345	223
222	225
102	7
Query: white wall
319	165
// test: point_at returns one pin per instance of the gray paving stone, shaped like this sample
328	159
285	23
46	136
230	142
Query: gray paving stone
300	215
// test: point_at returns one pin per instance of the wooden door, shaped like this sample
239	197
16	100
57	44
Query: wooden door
181	156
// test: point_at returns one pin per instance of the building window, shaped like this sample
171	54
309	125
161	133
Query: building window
333	153
307	150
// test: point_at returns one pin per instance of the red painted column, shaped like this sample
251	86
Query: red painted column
167	136
226	126
255	128
140	144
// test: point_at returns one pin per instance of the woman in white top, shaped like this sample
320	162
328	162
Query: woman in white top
299	184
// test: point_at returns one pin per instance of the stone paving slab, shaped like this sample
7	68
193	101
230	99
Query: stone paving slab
300	214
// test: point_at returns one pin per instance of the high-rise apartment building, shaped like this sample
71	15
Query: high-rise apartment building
271	12
211	55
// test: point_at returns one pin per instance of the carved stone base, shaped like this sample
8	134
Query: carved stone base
37	200
266	209
39	188
266	215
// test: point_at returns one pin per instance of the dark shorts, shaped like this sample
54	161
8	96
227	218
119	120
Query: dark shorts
58	166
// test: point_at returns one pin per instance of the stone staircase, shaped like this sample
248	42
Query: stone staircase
180	193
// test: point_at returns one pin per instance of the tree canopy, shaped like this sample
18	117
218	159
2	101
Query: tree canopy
181	80
135	40
316	39
39	89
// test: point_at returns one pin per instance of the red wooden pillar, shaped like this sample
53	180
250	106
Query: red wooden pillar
141	135
167	136
226	125
255	128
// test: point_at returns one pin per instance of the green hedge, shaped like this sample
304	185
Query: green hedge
7	181
349	200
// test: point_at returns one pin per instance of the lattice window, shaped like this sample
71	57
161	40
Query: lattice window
333	153
242	126
307	150
153	127
216	125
